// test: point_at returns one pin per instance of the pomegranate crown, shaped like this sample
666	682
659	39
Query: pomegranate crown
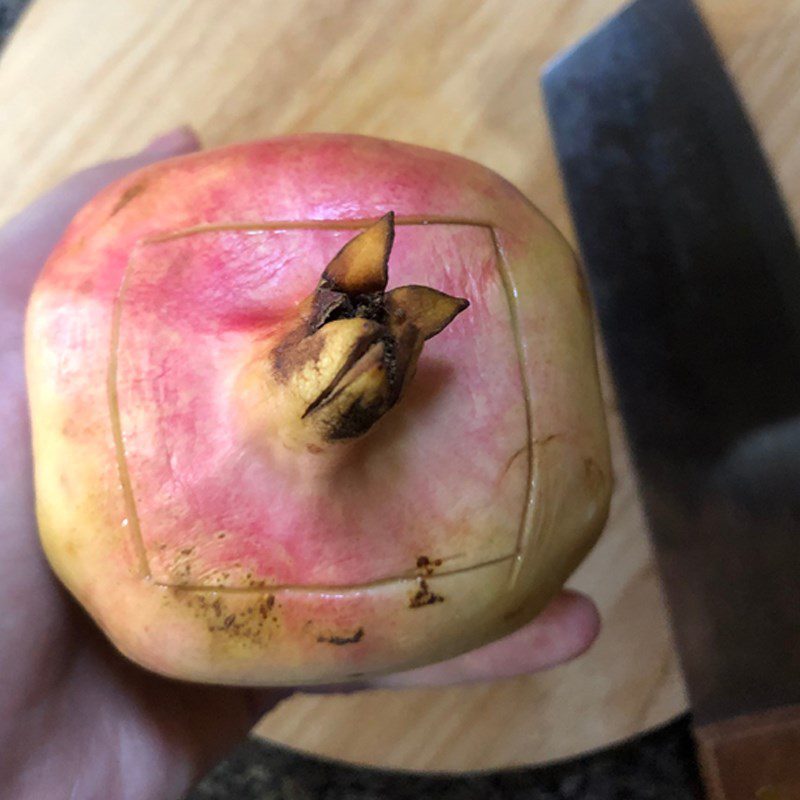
355	347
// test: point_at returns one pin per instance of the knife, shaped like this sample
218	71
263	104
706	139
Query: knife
695	272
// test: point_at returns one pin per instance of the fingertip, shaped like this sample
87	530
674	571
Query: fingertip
563	631
178	141
579	623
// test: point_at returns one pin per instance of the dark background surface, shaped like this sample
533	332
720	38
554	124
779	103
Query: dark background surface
658	766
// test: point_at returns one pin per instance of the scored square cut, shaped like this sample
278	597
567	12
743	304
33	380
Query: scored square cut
210	509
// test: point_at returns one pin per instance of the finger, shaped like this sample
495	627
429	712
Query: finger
27	239
564	630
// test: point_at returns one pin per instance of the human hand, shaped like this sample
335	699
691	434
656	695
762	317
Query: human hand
79	721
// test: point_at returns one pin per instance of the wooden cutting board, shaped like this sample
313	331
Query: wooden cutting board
84	80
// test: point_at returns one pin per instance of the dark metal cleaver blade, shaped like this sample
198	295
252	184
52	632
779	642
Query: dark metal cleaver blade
695	272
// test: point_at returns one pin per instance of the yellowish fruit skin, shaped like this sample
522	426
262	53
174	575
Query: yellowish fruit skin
290	635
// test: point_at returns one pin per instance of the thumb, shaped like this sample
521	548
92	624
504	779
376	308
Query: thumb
27	239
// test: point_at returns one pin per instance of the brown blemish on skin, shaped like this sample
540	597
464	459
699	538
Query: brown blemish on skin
595	477
424	596
227	620
129	194
339	640
426	566
265	607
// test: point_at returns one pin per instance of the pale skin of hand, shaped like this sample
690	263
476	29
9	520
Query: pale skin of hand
78	721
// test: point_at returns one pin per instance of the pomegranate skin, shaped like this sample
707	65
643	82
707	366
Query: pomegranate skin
203	546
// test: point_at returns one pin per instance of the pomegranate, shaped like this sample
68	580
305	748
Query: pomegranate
313	408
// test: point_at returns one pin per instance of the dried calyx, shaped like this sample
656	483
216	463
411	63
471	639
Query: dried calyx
356	345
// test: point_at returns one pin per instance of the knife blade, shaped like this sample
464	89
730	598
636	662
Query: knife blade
695	272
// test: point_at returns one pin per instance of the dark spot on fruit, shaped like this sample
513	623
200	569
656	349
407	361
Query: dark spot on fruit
221	535
187	551
313	448
426	565
595	477
356	675
424	596
129	194
266	606
352	639
217	606
229	620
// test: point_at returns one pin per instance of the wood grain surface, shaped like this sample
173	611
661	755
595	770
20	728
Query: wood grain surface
84	80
